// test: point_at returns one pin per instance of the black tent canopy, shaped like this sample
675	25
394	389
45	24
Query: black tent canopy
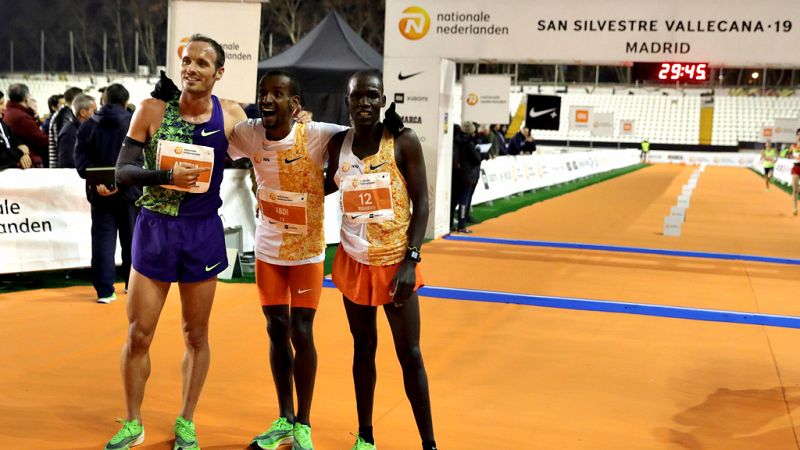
322	61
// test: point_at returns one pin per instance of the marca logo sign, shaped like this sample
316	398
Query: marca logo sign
414	23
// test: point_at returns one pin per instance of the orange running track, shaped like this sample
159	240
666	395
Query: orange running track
502	376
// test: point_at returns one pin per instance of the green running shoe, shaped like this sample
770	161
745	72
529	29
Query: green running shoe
302	437
361	444
281	432
185	437
131	434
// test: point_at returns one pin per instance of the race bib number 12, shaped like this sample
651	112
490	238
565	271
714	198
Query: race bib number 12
367	198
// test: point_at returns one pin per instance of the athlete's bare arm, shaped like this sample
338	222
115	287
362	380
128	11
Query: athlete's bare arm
233	113
410	161
334	148
146	119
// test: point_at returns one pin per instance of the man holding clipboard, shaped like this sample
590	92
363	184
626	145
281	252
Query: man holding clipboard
97	144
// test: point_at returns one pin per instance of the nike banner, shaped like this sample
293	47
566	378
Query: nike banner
543	112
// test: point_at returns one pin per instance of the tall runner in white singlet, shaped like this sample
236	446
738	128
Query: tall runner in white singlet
385	204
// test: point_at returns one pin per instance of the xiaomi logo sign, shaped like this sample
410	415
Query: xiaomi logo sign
414	23
767	132
581	116
627	126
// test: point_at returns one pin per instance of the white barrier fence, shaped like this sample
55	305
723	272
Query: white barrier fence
509	175
711	159
45	221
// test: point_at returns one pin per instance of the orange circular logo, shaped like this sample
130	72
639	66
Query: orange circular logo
178	150
346	167
414	23
257	159
272	196
181	45
355	183
472	99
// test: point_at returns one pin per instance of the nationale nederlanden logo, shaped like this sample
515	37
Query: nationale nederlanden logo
472	99
414	23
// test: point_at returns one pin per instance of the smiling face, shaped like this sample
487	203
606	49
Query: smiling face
277	101
365	99
198	67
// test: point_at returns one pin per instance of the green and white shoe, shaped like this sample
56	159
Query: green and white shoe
131	434
361	444
185	436
302	437
281	432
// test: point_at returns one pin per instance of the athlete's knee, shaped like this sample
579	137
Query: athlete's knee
195	336
278	327
365	346
139	340
302	333
411	358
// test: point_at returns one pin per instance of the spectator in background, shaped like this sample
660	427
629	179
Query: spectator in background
83	106
20	116
62	117
13	153
54	103
522	143
466	172
498	135
113	208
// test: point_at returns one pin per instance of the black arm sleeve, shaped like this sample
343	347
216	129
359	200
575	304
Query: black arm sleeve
129	167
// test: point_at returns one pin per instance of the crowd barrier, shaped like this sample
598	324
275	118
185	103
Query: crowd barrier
697	158
782	171
45	221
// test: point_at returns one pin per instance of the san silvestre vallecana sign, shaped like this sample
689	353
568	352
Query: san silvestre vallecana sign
719	32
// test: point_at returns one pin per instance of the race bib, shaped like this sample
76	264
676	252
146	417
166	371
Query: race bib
284	211
170	154
367	198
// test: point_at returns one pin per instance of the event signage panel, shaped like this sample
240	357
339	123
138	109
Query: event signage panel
485	98
240	42
717	32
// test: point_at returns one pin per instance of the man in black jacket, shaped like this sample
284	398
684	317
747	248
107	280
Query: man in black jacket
466	171
83	107
113	207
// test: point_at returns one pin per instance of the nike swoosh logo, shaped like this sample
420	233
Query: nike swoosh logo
204	133
534	114
209	269
371	167
303	291
289	161
402	77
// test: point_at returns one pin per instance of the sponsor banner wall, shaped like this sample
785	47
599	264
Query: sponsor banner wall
580	117
508	175
485	99
784	130
422	92
719	32
45	220
603	124
711	159
240	42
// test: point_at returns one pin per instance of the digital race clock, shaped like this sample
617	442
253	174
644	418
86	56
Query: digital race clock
671	72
